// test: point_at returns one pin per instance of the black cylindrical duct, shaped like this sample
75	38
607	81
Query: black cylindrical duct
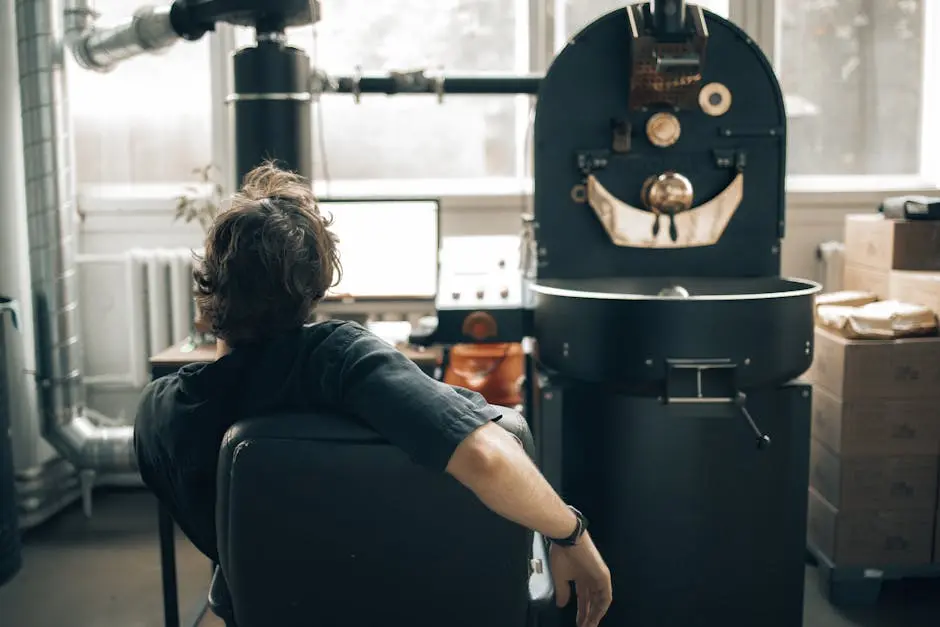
10	555
668	16
272	108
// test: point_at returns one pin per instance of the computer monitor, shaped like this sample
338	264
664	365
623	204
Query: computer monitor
388	248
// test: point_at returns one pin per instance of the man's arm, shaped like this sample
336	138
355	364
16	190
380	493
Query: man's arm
446	430
437	427
492	464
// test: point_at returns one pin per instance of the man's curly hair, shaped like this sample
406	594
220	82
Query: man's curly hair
269	259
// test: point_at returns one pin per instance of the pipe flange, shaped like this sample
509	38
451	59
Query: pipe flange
437	83
356	90
154	29
321	83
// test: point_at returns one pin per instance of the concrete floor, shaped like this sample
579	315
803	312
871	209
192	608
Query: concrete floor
105	572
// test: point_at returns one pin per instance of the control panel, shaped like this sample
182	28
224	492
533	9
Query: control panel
480	272
482	296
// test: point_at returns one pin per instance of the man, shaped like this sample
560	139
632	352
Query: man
269	260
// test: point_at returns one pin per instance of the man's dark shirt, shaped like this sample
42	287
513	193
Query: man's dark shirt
182	418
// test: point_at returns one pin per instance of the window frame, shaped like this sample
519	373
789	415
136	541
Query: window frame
530	56
759	19
534	51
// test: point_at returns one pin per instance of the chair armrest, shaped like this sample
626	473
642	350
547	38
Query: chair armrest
541	586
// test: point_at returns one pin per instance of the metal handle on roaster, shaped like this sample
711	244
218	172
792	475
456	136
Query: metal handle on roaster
763	440
731	395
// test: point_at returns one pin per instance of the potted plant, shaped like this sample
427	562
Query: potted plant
201	202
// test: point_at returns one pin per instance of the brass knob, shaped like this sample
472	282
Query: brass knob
668	193
663	129
715	99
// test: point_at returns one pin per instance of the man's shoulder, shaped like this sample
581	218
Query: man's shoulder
333	349
150	424
151	407
161	399
331	331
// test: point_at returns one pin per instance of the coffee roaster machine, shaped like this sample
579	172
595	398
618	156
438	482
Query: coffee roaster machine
665	341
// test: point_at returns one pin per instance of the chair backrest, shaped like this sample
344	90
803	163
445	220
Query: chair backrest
322	522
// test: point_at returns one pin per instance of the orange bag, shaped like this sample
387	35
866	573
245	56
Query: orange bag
494	370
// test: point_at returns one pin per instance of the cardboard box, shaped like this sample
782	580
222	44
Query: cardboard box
873	241
904	369
865	279
876	426
873	482
870	539
916	288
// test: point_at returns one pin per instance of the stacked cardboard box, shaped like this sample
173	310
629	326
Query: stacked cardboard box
920	288
874	454
876	410
875	247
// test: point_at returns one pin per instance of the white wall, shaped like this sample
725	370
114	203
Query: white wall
117	224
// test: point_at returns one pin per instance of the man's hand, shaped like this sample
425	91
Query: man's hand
492	464
584	566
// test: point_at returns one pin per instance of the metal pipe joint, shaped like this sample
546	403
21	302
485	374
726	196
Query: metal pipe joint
149	30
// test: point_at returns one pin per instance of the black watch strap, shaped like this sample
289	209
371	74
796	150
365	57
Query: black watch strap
579	529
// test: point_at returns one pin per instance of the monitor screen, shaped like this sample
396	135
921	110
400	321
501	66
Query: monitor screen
388	248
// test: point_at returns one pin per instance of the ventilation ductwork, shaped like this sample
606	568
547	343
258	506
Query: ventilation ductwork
101	49
46	32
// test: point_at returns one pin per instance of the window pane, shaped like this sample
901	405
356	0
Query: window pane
413	136
579	13
853	74
148	120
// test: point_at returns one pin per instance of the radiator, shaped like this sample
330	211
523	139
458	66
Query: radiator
830	260
161	312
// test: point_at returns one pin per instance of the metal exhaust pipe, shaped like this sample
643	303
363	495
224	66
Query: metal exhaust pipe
42	44
668	16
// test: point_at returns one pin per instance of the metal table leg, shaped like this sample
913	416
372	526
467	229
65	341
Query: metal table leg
171	612
171	609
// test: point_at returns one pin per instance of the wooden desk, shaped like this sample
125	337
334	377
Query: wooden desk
181	354
175	357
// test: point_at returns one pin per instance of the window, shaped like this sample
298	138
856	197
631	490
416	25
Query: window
853	73
412	136
146	121
573	15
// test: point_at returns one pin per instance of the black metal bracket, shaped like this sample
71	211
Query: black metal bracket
700	381
590	161
708	381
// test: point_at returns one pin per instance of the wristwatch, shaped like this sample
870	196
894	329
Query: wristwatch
580	527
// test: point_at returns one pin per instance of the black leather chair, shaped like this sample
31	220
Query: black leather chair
321	522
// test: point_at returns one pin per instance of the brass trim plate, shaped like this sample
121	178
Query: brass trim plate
633	227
